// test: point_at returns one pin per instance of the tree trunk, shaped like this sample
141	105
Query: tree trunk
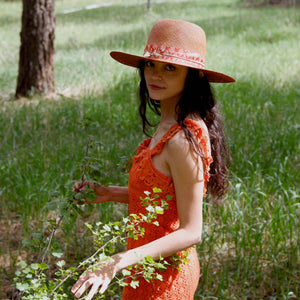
284	3
36	66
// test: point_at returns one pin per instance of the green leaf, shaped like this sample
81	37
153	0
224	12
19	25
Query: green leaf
159	210
43	266
78	196
157	190
37	235
149	259
51	205
22	264
150	208
169	197
159	277
122	283
126	272
60	263
89	226
34	266
106	227
22	286
57	254
134	284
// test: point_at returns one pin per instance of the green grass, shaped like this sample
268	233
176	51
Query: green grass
250	247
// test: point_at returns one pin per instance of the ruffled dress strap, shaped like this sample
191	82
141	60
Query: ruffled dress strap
156	150
201	135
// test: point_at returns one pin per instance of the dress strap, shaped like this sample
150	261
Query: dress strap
202	136
191	125
169	134
129	162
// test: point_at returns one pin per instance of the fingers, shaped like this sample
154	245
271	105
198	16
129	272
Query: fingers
104	286
77	285
83	284
93	281
82	289
80	186
93	291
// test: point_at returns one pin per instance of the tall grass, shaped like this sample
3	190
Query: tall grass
250	247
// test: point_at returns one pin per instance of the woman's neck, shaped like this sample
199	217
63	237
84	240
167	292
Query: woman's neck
168	113
167	120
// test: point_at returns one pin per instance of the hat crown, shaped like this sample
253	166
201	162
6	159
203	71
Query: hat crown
179	35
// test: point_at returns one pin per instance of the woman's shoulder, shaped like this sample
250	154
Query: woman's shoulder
178	141
196	125
179	145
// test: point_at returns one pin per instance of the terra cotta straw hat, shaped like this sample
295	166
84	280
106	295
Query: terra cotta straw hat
177	42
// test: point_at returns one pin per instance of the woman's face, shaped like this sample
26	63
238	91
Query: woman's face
165	81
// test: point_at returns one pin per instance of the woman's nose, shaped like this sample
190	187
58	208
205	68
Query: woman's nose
156	73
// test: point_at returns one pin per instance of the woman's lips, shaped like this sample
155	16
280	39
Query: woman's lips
155	87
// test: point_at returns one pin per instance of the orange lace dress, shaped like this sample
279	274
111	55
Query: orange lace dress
179	285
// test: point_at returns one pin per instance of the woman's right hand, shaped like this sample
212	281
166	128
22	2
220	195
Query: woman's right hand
102	193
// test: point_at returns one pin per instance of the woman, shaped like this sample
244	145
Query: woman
177	159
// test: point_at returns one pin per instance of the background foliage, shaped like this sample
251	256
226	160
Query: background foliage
250	247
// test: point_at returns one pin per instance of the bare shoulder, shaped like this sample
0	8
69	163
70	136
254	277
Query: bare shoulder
180	152
178	146
182	161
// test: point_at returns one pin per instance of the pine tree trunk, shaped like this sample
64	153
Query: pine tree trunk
36	65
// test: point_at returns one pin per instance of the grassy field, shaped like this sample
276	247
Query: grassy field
250	247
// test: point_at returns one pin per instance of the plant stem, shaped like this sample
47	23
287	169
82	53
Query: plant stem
52	235
86	154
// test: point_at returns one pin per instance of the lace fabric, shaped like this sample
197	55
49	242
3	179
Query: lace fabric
143	176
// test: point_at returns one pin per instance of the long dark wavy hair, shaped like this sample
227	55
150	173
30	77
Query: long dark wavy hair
197	101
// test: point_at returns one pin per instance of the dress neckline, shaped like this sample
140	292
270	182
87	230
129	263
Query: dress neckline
163	138
157	148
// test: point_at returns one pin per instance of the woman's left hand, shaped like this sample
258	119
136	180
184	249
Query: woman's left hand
100	277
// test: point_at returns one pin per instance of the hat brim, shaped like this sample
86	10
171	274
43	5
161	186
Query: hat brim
135	61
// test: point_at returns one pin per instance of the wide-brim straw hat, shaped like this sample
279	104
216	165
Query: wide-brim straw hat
177	42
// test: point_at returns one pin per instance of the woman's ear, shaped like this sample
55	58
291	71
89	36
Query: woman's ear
201	74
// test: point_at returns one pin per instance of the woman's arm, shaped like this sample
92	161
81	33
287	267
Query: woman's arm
104	194
118	193
187	175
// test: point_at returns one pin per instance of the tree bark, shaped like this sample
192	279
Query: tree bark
284	3
36	65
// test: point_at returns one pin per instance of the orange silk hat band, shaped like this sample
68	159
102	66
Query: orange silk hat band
177	42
